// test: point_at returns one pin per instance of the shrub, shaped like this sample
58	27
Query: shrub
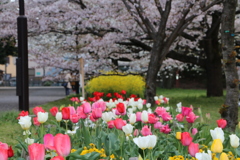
132	84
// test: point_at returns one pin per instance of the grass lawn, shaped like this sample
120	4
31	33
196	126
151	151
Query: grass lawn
10	130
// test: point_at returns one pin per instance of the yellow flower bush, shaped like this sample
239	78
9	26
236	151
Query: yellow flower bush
132	84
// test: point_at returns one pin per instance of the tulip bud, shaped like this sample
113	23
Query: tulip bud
217	146
178	135
59	116
234	140
224	156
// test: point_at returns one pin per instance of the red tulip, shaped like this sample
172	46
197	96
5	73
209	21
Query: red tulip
186	138
179	117
193	148
109	95
74	118
57	158
119	123
36	151
22	113
54	111
222	123
121	108
152	118
38	109
65	113
10	152
123	92
62	144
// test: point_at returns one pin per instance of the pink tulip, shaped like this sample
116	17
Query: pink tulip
72	110
57	158
146	131
136	132
36	122
97	113
160	111
152	118
138	115
99	104
165	129
222	123
179	117
36	151
86	107
194	131
119	123
186	110
54	111
74	118
166	116
110	124
186	138
191	117
48	140
3	153
80	112
62	144
158	125
193	148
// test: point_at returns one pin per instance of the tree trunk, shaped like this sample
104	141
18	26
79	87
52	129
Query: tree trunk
213	62
229	111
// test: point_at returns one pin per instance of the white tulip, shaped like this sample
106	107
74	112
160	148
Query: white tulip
42	117
152	141
217	133
132	118
146	141
155	98
58	116
234	140
107	116
140	106
25	122
148	105
29	141
179	107
127	129
144	116
204	156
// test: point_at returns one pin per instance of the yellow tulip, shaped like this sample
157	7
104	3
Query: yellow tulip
224	156
217	146
178	135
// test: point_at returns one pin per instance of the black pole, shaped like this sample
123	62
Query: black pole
22	60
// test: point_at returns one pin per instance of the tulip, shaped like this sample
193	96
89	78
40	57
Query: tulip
160	111
22	113
99	104
3	153
186	138
158	125
57	158
127	129
97	113
191	117
38	109
25	122
86	107
152	119
186	111
29	141
223	156
144	116
152	141
132	118
146	131
204	156
217	146
234	140
42	117
65	113
222	123
194	131
217	133
74	118
148	105
138	116
58	116
48	141
36	122
62	144
119	123
179	117
178	135
80	112
165	129
54	111
107	116
110	124
10	152
36	151
193	148
166	116
146	141
136	132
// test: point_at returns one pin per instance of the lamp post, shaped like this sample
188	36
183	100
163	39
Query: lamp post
22	60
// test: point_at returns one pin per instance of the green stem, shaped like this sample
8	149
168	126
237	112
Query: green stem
144	156
41	134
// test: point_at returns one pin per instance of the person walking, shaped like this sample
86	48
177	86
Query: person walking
67	80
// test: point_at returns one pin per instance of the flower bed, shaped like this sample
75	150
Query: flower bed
120	128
